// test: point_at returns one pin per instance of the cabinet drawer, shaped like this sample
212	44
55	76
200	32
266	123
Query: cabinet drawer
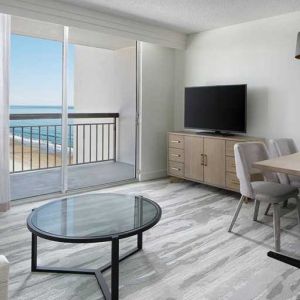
230	164
176	141
256	177
176	168
232	181
229	147
176	155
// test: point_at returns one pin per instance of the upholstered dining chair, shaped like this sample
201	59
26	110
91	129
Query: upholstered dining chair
280	147
269	190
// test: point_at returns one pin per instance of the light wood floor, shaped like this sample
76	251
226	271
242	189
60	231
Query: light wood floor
188	255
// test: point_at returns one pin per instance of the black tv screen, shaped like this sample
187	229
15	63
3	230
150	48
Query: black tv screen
218	108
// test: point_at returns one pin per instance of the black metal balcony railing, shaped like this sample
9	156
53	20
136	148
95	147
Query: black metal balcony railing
37	144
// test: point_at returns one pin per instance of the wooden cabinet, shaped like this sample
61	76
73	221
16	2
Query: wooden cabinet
214	161
232	182
230	164
193	158
229	147
206	159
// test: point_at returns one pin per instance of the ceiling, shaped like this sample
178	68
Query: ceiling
189	16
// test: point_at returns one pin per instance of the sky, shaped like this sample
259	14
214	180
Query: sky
36	71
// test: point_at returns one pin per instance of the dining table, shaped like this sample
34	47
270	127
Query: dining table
290	165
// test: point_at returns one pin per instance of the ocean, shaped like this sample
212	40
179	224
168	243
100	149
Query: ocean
43	133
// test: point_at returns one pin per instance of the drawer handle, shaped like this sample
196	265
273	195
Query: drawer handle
176	155
203	160
176	169
177	142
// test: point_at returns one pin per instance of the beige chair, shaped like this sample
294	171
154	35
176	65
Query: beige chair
269	191
4	273
280	147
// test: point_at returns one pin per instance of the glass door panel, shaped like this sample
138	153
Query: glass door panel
102	108
35	108
99	144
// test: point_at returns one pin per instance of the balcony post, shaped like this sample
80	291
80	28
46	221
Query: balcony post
115	139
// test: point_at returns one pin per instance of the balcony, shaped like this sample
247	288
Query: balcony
92	151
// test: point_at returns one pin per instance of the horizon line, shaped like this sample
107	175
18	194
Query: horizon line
38	105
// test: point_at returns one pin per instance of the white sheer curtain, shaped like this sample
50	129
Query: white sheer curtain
4	112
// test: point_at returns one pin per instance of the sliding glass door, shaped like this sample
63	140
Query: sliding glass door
102	109
35	108
72	109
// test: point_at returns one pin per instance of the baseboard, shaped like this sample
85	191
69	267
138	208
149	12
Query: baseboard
143	176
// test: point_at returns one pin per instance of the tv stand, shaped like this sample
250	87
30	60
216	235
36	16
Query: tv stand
207	158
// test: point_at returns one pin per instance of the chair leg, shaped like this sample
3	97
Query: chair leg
256	209
236	212
267	210
298	208
276	224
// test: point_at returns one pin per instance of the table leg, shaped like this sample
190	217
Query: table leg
285	259
115	269
33	252
140	241
115	260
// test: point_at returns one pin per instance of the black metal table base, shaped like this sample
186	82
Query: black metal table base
285	259
114	265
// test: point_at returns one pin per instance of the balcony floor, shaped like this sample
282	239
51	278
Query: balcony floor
35	183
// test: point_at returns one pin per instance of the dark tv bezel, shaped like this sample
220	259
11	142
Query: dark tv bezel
218	129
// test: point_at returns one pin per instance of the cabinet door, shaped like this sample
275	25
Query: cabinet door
193	157
214	161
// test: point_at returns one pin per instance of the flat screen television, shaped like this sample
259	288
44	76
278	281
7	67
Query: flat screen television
221	108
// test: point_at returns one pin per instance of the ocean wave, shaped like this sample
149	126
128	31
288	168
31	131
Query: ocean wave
43	144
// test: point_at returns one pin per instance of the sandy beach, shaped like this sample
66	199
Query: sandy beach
34	160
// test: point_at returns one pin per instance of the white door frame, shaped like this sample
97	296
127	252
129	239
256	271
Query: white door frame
64	121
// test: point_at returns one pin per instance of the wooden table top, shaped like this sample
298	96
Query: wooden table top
288	164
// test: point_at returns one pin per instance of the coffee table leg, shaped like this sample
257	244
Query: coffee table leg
115	259
115	269
33	252
140	241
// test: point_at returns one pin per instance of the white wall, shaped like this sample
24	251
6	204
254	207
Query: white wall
157	108
101	88
261	54
93	78
105	82
179	82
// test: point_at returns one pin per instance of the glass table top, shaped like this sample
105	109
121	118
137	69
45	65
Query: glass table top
94	217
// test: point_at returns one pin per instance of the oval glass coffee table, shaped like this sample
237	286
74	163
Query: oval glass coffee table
93	218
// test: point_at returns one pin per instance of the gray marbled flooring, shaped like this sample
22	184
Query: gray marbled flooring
188	255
